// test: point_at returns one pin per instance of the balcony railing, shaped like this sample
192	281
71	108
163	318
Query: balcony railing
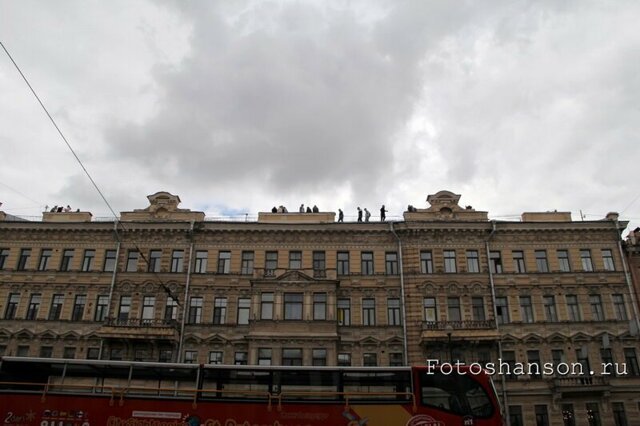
459	325
139	322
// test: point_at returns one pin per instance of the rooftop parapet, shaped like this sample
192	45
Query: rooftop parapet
66	217
163	206
322	217
445	207
554	216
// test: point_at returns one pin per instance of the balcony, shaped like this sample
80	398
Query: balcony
467	330
582	385
135	328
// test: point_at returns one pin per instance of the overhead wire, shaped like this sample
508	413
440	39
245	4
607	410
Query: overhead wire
93	182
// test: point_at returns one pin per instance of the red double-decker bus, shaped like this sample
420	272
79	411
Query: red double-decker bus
59	392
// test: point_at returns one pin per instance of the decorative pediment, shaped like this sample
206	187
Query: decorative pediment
295	276
192	340
71	335
162	206
580	337
444	206
369	341
557	338
216	339
509	339
532	339
47	335
24	334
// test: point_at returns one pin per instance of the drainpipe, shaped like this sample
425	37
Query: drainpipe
186	296
632	293
402	295
113	281
495	317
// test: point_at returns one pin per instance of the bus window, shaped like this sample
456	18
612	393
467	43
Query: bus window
235	383
308	384
150	379
395	385
457	394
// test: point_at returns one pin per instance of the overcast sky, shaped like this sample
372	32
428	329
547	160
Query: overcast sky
240	106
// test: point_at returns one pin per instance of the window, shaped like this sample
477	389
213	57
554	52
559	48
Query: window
244	307
154	260
319	264
343	263
215	357
246	268
240	358
477	308
69	352
502	308
264	356
109	261
295	259
573	310
619	415
585	258
542	415
125	308
597	314
541	261
450	261
67	258
148	309
453	309
509	358
195	310
473	263
200	265
4	255
165	355
366	265
568	415
270	262
45	256
593	414
369	359
368	311
93	353
606	356
220	310
557	356
515	415
293	306
56	307
344	312
533	356
395	359
190	357
224	262
25	253
344	360
632	361
391	263
607	260
23	350
12	306
319	306
495	262
177	261
319	357
34	306
171	309
426	262
132	261
430	311
102	308
526	308
291	356
550	313
46	351
78	307
619	307
563	261
266	306
87	260
518	262
393	311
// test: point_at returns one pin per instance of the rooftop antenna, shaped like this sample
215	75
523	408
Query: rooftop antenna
581	216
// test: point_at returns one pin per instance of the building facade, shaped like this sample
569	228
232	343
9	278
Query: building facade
165	284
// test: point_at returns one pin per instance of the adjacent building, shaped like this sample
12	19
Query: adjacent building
446	283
